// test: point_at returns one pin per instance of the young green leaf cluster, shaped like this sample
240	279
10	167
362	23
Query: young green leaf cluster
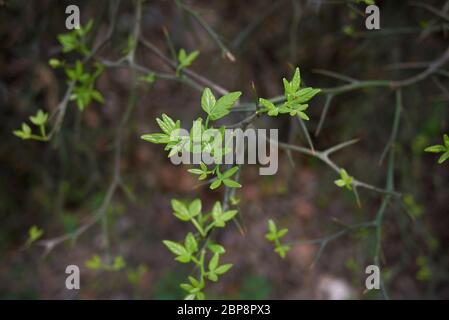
441	149
345	180
367	2
95	263
274	235
295	99
84	91
76	40
39	120
217	109
190	251
198	248
150	78
34	233
196	142
185	60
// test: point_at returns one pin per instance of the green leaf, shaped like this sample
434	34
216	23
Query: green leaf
213	263
195	283
186	60
190	297
20	134
79	68
215	184
182	55
306	94
180	210
340	183
223	105
303	115
185	258
443	157
229	173
435	149
345	181
231	183
195	208
170	122
270	236
158	138
446	140
287	88
296	81
85	29
212	276
273	112
281	233
191	57
223	268
190	243
34	233
24	133
272	226
68	42
207	100
164	127
228	215
216	248
175	247
94	263
167	124
150	78
119	263
26	129
217	212
54	63
97	96
282	250
195	171
186	287
267	104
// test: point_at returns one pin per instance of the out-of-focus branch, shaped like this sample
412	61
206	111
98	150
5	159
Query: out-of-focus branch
215	37
324	156
431	9
195	76
60	110
50	244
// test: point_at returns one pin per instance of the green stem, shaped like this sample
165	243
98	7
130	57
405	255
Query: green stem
38	138
198	227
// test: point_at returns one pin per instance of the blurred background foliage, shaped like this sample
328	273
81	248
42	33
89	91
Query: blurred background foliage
57	185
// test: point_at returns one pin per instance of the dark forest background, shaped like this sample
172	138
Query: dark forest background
57	185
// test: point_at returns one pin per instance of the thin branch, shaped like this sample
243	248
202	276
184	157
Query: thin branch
215	37
335	75
431	9
324	241
205	81
324	156
306	132
394	131
255	23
